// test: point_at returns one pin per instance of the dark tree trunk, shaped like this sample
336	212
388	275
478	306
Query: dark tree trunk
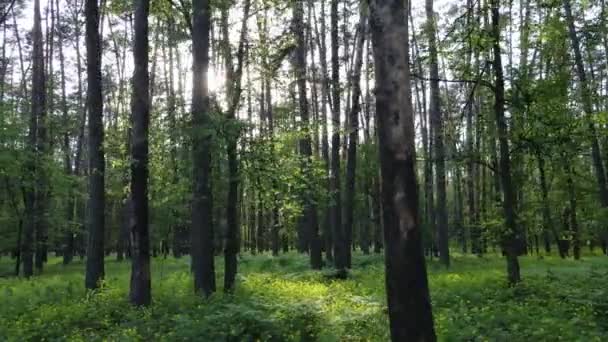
202	222
96	210
234	78
32	192
335	208
407	289
511	239
310	219
353	135
140	292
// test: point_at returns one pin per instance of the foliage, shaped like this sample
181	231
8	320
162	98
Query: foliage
279	299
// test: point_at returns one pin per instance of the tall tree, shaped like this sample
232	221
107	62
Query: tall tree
353	134
68	250
437	129
202	222
310	219
511	238
233	80
96	208
140	293
34	209
334	168
407	289
587	102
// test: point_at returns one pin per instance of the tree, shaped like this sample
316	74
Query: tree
587	102
310	219
353	134
511	238
202	132
96	208
34	206
339	236
409	305
234	80
437	129
140	293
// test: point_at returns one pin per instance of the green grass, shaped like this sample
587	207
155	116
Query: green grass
280	299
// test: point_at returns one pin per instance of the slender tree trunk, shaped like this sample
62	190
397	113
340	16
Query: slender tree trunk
437	126
234	78
310	219
68	250
334	173
547	218
202	222
511	237
353	135
31	197
96	210
587	102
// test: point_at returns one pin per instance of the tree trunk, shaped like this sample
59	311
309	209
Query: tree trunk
511	237
407	290
437	127
31	189
310	219
353	134
587	103
140	292
96	210
234	78
334	172
202	223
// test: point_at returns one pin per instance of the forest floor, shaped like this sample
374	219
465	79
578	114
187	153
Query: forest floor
280	299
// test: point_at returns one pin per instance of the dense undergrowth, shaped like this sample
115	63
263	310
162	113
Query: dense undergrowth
280	299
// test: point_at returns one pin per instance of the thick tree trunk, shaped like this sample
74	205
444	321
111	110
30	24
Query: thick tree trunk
407	290
96	210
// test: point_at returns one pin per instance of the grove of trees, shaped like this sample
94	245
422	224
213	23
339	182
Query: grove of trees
166	128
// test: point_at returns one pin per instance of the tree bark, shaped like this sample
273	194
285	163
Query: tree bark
334	169
202	223
96	211
511	238
310	219
140	292
407	290
353	134
234	79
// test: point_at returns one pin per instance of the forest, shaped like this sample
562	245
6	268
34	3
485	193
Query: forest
304	170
